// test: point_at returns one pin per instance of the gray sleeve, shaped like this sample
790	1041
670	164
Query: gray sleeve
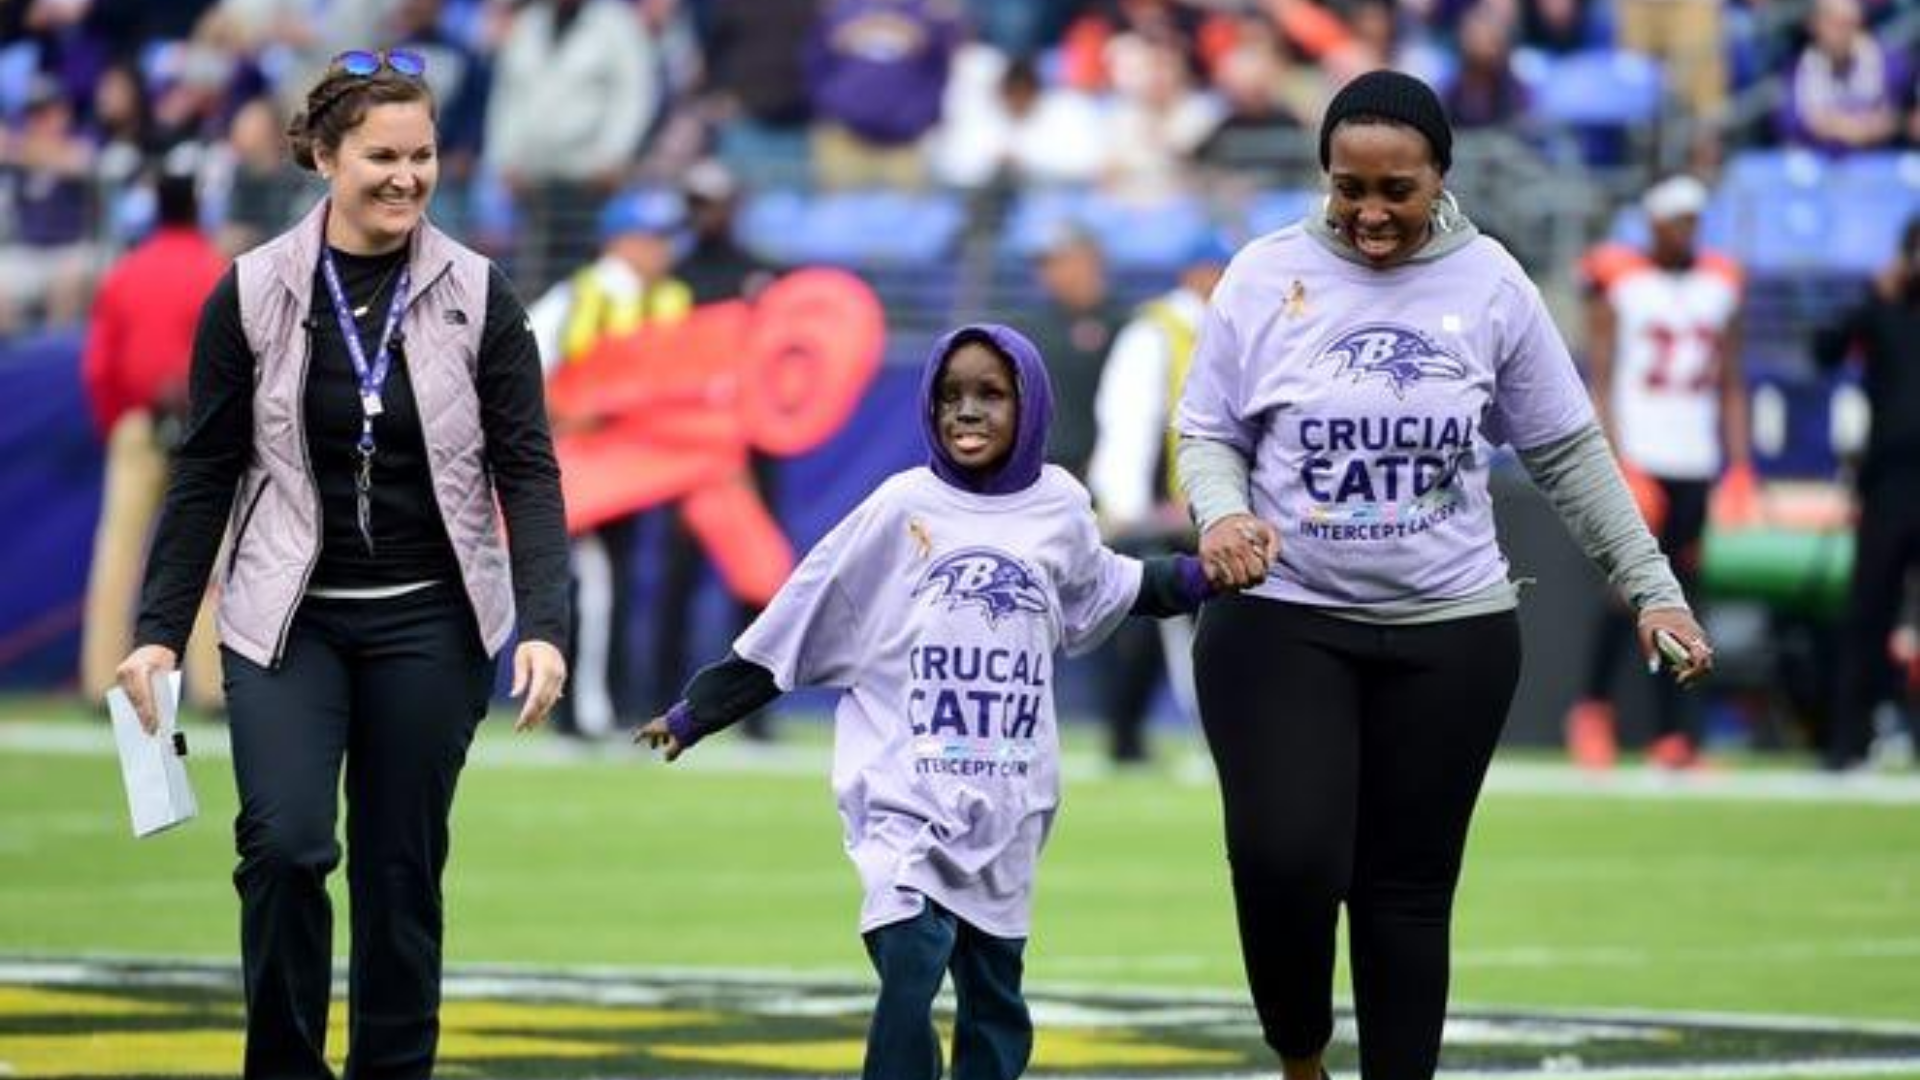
1214	475
1579	477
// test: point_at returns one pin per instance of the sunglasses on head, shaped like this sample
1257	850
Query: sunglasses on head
364	64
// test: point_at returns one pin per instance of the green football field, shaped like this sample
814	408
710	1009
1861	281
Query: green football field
1758	890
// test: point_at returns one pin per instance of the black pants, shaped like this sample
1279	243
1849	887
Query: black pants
392	689
1886	550
992	1031
1675	710
1131	666
1132	663
606	659
1350	757
683	565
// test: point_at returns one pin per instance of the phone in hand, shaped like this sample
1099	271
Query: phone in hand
1675	654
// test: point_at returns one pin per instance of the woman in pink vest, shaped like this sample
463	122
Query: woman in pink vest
364	392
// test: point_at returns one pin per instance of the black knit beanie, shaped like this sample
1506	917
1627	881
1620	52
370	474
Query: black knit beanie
1390	95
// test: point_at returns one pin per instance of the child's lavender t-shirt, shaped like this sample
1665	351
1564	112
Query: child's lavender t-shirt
940	613
1369	402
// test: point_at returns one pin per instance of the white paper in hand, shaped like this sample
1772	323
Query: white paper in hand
154	767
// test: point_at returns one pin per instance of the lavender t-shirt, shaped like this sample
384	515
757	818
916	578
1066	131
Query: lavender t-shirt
1368	402
939	612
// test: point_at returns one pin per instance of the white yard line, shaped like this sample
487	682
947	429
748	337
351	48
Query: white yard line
498	747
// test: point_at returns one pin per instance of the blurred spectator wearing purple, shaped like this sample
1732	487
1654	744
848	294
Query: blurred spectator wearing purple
121	127
1847	92
1486	92
574	93
46	212
877	72
124	27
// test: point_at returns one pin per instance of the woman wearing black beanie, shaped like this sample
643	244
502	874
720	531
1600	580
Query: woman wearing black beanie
1351	379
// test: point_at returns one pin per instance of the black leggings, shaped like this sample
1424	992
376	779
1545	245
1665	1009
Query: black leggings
1350	756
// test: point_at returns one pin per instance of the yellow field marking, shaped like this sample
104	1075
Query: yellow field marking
814	1056
475	1016
473	1031
34	1003
459	1046
146	1053
1092	1048
1084	1048
214	1053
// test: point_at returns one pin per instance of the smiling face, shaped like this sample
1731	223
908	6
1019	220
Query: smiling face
976	407
1383	185
381	177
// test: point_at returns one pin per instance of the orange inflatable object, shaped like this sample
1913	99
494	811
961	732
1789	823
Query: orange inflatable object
669	413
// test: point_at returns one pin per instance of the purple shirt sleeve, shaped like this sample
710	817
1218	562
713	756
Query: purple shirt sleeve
1099	591
1538	397
1209	406
810	633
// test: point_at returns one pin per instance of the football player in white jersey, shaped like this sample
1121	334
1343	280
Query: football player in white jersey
1664	367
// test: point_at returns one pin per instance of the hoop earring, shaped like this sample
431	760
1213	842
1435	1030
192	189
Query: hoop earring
1445	214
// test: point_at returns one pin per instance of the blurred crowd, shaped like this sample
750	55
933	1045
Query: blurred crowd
649	155
550	107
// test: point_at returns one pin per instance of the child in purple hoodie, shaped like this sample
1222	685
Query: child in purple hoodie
937	608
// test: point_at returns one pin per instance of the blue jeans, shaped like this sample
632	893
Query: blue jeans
992	1031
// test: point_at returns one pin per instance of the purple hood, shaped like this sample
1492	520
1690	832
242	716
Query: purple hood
1029	453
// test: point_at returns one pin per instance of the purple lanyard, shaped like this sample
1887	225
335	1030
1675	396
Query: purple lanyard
371	377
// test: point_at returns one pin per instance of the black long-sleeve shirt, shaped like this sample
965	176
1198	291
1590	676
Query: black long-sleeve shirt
1888	336
410	541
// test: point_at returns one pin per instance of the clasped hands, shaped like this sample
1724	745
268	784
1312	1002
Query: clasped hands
1237	550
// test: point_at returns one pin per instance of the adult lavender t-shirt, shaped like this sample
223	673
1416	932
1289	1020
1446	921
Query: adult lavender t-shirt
1369	401
939	613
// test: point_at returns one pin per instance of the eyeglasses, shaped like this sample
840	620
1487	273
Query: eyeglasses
364	64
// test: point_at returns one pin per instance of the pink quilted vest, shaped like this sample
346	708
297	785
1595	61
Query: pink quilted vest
274	534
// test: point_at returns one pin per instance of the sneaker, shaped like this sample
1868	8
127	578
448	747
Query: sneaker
1674	751
1590	739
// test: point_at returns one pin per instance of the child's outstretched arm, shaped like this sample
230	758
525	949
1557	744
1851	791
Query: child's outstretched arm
717	697
1171	585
